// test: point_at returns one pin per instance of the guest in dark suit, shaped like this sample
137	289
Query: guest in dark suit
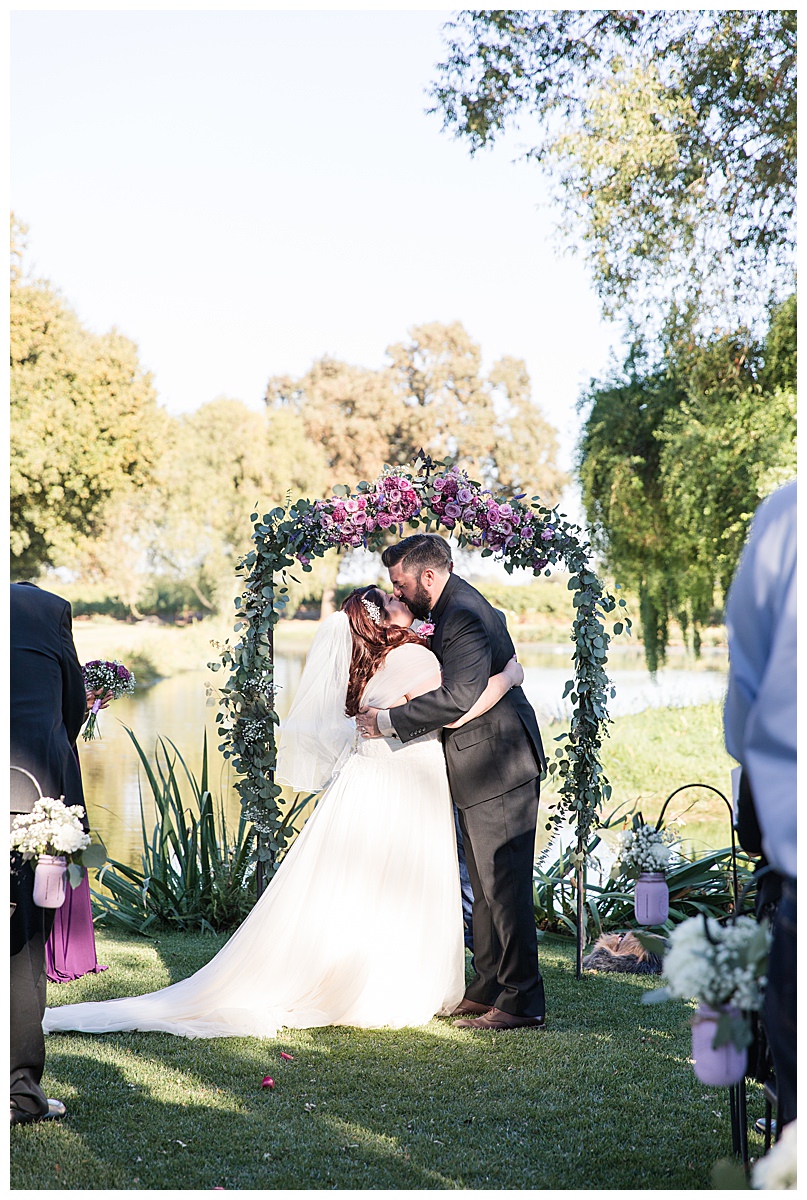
494	765
48	707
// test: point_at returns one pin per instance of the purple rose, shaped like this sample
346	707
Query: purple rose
384	520
540	564
453	510
465	495
122	673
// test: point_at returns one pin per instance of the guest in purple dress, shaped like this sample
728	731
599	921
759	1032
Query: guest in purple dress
70	949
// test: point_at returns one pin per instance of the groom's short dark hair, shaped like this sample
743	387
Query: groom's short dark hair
418	552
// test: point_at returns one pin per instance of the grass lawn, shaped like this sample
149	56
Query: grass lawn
604	1099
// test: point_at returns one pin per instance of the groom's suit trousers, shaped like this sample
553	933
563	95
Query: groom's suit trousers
499	837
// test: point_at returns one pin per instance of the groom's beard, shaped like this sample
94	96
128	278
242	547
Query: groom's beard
420	605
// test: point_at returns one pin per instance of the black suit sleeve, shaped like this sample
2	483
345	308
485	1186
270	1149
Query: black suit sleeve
74	697
466	659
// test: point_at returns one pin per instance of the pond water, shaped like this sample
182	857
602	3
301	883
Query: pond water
176	709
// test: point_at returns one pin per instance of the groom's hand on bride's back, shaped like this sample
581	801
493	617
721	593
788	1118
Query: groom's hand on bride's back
367	722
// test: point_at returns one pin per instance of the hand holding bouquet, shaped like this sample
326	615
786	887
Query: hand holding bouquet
107	681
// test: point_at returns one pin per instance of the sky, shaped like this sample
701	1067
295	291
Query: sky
241	193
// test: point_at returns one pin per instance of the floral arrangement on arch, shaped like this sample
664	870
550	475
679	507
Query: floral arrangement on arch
451	499
644	848
423	496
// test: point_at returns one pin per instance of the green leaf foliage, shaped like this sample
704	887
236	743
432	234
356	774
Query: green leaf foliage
671	137
195	874
84	426
674	459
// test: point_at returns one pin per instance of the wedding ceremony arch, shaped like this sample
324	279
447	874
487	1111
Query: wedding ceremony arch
425	496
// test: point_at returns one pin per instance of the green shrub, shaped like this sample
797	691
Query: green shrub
195	875
697	885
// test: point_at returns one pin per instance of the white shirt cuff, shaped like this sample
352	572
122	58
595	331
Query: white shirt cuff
385	723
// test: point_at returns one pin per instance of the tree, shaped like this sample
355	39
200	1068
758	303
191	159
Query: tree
222	463
350	412
489	423
84	425
674	459
431	395
671	135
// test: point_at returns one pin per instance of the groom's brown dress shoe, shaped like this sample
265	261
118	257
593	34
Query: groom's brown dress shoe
470	1008
498	1020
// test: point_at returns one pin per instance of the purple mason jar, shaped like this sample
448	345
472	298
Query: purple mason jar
651	898
721	1067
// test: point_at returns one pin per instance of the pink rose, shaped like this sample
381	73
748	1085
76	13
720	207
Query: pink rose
384	520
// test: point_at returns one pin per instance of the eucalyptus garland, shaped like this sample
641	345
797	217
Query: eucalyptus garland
426	497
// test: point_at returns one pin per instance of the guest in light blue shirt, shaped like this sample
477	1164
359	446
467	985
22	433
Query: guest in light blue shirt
760	730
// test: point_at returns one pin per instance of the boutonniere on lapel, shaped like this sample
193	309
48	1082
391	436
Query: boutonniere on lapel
425	630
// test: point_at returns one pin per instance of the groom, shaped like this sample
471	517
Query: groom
494	763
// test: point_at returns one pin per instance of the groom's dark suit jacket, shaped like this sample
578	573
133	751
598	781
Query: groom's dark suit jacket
498	751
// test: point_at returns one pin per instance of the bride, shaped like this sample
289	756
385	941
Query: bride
362	922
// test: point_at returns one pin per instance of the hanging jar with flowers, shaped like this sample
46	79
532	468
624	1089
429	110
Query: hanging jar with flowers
723	968
645	856
52	838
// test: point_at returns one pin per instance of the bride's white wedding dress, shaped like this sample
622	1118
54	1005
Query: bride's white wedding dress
362	923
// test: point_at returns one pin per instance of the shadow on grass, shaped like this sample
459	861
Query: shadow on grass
606	1098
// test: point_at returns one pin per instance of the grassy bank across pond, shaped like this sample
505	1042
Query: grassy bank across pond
604	1099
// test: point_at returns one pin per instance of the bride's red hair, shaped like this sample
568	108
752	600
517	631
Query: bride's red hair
371	642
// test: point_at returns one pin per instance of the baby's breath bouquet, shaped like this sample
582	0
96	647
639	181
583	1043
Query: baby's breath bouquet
54	828
722	966
644	848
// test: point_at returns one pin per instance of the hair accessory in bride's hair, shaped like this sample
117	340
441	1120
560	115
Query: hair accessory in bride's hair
373	610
